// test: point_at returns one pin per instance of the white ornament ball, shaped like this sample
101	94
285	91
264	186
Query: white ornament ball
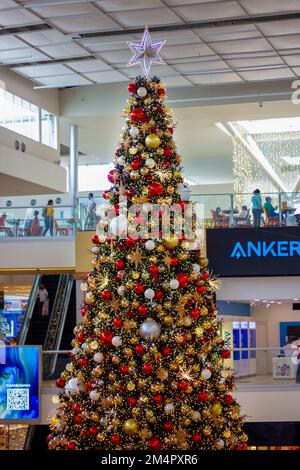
196	415
75	350
121	290
142	92
149	294
73	386
94	396
98	357
84	287
220	443
89	298
116	341
84	346
118	225
150	163
174	284
169	408
121	161
95	249
205	374
150	245
150	329
134	131
196	268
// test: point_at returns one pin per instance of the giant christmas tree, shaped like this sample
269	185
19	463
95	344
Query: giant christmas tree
148	368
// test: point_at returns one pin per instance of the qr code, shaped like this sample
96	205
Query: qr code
17	399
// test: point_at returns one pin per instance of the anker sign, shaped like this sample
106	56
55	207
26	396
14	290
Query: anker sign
267	251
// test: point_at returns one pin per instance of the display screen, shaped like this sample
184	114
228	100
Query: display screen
19	383
267	251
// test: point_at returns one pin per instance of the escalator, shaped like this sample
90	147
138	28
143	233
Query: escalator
38	325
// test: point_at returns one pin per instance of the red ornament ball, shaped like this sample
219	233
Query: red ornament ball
196	438
95	239
137	115
201	289
106	338
106	295
78	419
132	401
158	399
147	369
161	91
139	288
228	399
132	88
182	385
168	152
124	369
153	270
202	396
174	261
159	294
115	439
89	385
60	383
205	276
71	445
156	189
142	310
135	165
139	349
80	337
195	313
118	322
154	443
83	311
168	426
76	408
119	264
93	431
166	351
83	362
225	354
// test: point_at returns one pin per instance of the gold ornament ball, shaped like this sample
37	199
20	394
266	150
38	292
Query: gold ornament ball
207	431
170	189
168	320
144	171
203	262
183	256
128	352
95	417
149	414
168	305
135	304
153	260
100	438
168	175
235	415
160	248
171	242
135	275
152	141
124	303
135	412
131	427
130	386
205	413
216	409
227	434
112	376
145	276
160	151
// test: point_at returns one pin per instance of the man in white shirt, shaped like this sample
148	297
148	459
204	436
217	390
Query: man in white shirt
91	216
43	297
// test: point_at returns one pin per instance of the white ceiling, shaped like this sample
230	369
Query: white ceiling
54	33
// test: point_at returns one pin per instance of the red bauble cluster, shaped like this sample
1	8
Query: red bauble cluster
202	396
156	189
147	369
137	114
106	295
154	443
106	338
225	354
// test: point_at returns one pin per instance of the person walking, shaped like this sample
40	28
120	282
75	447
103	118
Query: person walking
256	207
91	216
43	297
48	214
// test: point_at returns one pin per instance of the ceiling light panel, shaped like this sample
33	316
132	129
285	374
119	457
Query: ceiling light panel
209	11
22	55
216	78
280	28
228	33
176	81
10	42
259	7
18	17
43	38
286	42
43	70
120	5
81	24
57	51
247	45
68	9
201	66
154	16
267	74
256	62
63	80
91	65
186	50
108	76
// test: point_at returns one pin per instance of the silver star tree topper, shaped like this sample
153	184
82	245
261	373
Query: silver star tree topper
146	53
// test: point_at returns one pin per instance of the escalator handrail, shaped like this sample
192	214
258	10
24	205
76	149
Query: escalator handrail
56	305
60	327
30	309
29	437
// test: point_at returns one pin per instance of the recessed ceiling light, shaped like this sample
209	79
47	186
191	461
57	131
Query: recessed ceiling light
268	305
296	299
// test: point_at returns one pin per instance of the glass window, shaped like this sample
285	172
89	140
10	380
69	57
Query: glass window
19	115
48	126
94	177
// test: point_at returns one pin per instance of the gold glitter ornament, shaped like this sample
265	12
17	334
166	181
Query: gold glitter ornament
160	248
100	438
216	409
130	386
207	431
95	417
168	320
131	427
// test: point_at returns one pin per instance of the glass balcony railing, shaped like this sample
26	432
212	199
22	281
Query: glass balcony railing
218	211
23	222
252	366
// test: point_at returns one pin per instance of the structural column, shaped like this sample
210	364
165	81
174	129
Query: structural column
73	173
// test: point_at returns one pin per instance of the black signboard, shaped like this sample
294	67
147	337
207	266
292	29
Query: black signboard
266	251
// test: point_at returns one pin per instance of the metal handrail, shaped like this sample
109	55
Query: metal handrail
54	313
30	308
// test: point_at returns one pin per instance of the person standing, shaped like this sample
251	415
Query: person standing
91	209
48	214
43	300
256	207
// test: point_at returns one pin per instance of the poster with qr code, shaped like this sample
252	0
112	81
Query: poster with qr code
20	373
